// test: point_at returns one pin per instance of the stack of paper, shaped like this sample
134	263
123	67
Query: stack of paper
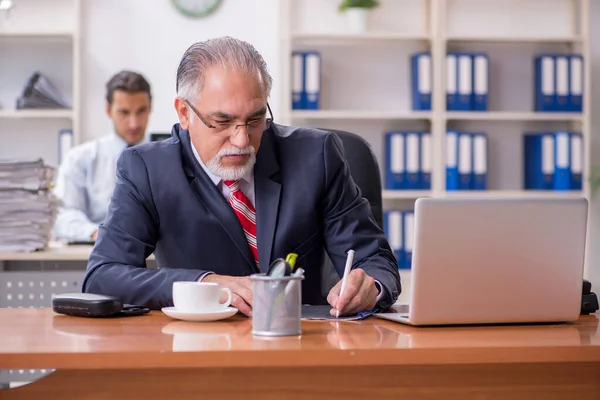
39	92
27	206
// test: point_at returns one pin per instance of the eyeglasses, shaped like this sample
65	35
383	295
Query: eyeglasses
251	126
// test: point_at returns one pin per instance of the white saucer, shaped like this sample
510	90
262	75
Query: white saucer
200	316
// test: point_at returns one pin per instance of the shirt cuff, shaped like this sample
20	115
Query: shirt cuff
203	275
380	288
83	233
88	230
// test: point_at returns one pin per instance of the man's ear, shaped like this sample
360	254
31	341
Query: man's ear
182	113
107	109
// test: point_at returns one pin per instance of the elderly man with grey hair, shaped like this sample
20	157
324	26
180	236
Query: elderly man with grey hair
231	191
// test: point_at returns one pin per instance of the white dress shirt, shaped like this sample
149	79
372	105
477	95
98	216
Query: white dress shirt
84	186
247	187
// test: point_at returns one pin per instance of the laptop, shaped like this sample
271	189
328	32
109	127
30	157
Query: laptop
495	261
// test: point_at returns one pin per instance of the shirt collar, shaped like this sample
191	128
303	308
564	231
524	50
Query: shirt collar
117	142
249	177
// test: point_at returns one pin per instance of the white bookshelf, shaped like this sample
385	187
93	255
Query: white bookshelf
45	114
513	116
353	37
366	88
366	76
39	36
405	194
528	194
516	39
35	33
361	115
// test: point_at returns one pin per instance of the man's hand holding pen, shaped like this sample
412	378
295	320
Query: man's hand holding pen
360	294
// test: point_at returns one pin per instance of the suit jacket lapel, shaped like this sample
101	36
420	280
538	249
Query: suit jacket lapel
213	200
267	189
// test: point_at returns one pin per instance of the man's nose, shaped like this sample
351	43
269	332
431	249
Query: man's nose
133	123
239	137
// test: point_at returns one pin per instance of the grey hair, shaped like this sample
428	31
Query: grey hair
225	52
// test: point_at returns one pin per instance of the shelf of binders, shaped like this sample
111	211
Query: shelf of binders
554	168
552	165
314	92
41	114
557	87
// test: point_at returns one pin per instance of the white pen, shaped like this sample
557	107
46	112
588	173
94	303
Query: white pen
349	261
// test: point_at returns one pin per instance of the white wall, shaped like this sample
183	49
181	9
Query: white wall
150	37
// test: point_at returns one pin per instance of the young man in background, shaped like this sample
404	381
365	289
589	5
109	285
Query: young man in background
87	176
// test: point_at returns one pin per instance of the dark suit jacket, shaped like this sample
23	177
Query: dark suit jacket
164	202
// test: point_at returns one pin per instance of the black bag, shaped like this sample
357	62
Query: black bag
93	305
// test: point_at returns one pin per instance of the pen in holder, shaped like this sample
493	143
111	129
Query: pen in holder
277	304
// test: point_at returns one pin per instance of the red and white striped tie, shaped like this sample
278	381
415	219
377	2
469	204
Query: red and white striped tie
246	214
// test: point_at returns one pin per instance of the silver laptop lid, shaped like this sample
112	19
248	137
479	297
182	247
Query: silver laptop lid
497	260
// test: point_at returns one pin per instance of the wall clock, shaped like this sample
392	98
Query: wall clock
196	8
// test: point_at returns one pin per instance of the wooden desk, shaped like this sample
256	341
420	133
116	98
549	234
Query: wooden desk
153	356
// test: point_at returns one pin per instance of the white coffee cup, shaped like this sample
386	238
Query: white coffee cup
199	296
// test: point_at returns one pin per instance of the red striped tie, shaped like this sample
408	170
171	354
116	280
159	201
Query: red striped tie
245	212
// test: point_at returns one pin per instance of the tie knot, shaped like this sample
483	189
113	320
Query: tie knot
233	185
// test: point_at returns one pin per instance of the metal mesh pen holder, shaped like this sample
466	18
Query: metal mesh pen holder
276	305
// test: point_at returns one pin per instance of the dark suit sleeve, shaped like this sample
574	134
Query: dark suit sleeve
117	264
349	224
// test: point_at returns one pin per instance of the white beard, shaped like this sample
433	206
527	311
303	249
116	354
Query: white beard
232	173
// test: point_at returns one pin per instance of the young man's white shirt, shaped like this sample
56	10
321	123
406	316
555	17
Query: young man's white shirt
84	186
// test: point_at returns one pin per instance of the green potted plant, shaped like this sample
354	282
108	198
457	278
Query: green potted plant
357	13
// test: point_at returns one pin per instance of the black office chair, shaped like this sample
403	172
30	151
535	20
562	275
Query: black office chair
364	170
